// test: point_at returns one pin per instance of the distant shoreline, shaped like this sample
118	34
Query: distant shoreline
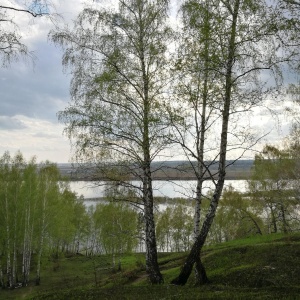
171	170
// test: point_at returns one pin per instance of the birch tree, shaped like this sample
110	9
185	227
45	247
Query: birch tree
30	216
18	199
80	220
117	225
247	43
6	218
48	196
37	209
198	91
272	186
11	183
119	65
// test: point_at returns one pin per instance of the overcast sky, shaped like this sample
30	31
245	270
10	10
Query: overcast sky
32	94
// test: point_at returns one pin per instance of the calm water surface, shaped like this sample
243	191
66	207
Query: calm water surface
169	189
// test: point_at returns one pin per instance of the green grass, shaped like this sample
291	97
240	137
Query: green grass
266	267
255	240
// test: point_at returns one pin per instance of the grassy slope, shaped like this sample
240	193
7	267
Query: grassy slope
265	267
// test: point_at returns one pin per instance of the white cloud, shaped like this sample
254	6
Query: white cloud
32	94
38	137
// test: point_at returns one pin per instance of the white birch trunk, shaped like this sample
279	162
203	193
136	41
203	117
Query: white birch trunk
8	250
197	246
43	230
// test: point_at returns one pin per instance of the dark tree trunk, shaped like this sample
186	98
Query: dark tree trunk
37	280
194	255
200	273
152	267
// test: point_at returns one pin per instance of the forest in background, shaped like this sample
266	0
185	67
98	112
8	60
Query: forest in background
161	170
41	217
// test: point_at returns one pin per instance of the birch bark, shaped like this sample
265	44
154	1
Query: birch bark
199	242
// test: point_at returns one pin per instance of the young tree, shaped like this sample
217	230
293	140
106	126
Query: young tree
271	185
61	228
11	180
175	226
49	195
247	45
30	215
237	217
163	229
118	58
81	221
198	93
117	225
181	225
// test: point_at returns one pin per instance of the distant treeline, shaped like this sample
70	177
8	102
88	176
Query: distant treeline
162	170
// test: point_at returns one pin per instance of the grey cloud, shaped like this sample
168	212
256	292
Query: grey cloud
35	91
8	123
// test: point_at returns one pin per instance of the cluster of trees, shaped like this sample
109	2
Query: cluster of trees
275	185
38	213
270	203
40	216
113	229
174	226
141	87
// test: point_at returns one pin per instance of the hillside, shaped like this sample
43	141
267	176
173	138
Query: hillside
263	267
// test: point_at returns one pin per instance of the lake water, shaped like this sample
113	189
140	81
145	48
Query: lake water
171	189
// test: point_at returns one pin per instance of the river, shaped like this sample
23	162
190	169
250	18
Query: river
179	188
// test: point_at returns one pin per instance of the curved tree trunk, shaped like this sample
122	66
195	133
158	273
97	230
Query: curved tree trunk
200	240
200	273
194	255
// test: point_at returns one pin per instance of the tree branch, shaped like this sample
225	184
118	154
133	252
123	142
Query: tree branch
24	10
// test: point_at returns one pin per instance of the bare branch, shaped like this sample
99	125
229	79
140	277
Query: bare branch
24	10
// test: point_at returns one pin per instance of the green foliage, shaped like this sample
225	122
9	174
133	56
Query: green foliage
119	108
272	188
119	95
174	227
37	214
117	227
237	217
